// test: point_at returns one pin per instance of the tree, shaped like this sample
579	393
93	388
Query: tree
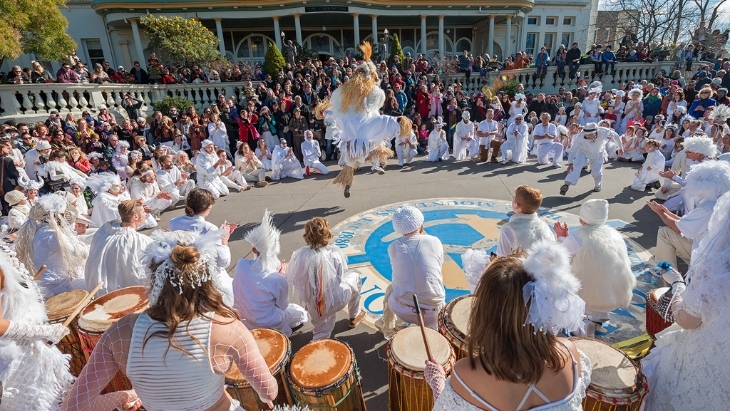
397	50
182	41
274	60
34	26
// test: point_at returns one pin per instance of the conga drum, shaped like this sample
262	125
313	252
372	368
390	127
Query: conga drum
59	307
654	320
323	375
101	314
617	383
408	389
454	323
276	350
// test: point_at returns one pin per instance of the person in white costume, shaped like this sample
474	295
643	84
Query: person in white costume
260	289
587	146
284	163
416	259
198	205
591	107
120	160
697	149
611	148
438	146
58	171
325	286
706	182
143	186
648	174
633	107
229	175
545	137
465	142
76	188
115	255
361	128
172	181
218	135
516	138
405	149
252	169
33	165
487	130
46	238
19	210
517	107
109	193
205	165
687	368
600	260
312	153
528	302
34	373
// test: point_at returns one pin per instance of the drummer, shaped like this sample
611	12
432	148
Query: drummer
416	259
177	352
516	361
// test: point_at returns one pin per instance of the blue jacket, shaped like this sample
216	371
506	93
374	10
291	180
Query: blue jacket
608	56
402	100
700	102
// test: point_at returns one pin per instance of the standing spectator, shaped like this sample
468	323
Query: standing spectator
16	76
298	125
133	106
140	75
66	75
573	58
8	173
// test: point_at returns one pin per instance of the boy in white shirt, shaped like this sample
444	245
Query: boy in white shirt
648	173
524	227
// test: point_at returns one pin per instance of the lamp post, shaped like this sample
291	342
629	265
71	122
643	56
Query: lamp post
384	45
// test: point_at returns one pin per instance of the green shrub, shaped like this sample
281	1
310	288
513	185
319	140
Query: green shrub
181	103
274	61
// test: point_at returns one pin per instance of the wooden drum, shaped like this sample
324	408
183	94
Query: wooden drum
454	323
101	314
276	350
408	390
617	383
323	375
654	320
59	307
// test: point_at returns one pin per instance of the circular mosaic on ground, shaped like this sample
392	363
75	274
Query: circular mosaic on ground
460	224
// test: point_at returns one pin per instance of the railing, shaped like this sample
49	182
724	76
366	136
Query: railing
33	102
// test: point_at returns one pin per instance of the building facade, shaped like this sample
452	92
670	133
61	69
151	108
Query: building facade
110	30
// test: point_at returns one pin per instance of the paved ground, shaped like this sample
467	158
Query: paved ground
293	202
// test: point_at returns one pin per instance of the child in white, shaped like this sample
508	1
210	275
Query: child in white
648	174
438	147
524	227
405	149
229	175
515	148
312	153
634	148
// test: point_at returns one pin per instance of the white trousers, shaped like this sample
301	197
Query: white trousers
441	153
405	154
544	150
323	326
255	176
581	161
633	155
318	166
233	180
215	186
406	315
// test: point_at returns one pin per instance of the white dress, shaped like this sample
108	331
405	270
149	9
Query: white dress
438	147
264	158
285	165
655	161
515	110
312	153
515	148
465	139
46	250
105	208
208	178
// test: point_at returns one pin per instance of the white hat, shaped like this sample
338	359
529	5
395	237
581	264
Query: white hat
439	121
620	94
13	197
590	128
102	107
43	145
28	184
594	212
465	115
701	144
206	143
519	96
94	154
407	219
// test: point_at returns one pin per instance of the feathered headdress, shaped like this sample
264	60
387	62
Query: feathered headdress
721	113
103	182
367	66
321	108
156	258
265	239
519	96
701	143
634	91
28	184
708	180
77	180
553	294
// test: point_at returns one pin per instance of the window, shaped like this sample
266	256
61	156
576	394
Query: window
566	40
550	21
530	43
567	21
95	52
549	42
532	21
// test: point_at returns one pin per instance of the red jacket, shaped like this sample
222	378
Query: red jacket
82	165
246	130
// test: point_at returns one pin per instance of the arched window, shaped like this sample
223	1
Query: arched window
252	48
432	44
323	43
463	44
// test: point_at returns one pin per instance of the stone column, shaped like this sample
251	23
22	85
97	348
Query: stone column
277	32
508	42
356	27
138	43
490	45
375	30
523	39
424	34
298	28
441	35
219	30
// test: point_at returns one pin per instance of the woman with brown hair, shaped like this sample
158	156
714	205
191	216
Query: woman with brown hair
177	352
517	362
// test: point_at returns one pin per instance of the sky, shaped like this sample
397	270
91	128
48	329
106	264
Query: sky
724	19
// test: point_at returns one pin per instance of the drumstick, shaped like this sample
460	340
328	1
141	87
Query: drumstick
83	304
423	329
38	274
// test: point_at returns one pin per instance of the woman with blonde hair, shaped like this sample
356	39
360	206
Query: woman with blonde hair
39	75
185	342
263	153
517	362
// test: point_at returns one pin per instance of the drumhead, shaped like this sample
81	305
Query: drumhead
408	349
658	292
460	313
101	313
320	364
273	346
62	305
613	372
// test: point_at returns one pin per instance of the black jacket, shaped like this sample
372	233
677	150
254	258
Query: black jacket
572	54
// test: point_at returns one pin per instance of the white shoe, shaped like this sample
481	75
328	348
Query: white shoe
378	170
505	161
557	165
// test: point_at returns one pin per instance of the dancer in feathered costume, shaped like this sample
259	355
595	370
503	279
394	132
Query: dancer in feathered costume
600	261
34	374
109	194
362	129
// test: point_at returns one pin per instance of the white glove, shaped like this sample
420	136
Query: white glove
673	277
435	376
51	332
